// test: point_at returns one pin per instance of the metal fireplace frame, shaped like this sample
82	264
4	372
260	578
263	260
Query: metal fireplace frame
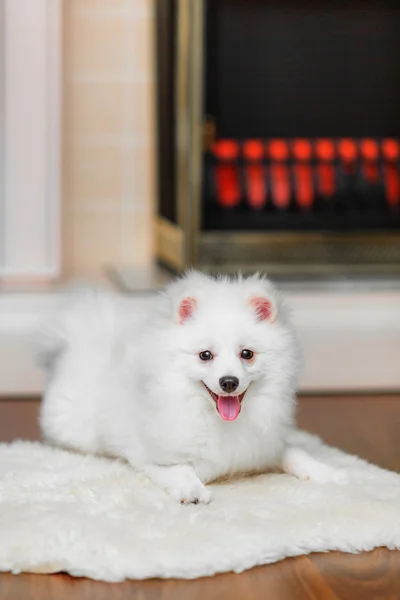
181	243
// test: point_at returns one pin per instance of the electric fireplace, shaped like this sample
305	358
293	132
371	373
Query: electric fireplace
279	136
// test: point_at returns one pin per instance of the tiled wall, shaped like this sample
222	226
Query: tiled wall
108	134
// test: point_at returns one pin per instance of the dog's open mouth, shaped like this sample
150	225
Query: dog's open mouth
228	406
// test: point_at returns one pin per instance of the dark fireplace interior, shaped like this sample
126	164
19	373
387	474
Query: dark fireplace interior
303	102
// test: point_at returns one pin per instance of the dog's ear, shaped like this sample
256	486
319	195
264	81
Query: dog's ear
265	308
187	308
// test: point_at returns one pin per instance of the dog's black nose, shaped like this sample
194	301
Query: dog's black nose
229	383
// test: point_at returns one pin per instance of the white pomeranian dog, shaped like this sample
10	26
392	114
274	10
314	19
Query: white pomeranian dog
203	389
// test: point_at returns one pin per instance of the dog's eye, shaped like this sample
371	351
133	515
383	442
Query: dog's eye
206	355
246	354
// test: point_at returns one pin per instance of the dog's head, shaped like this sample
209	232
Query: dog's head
231	336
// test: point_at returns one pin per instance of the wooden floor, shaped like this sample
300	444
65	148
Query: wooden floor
368	426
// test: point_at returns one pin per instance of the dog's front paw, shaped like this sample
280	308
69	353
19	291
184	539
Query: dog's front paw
181	482
186	487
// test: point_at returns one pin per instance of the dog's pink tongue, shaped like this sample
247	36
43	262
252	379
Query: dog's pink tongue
228	407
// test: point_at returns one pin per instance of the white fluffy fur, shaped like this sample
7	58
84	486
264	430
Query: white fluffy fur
93	517
137	392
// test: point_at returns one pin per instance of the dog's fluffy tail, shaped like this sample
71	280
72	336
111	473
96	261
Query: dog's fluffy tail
87	318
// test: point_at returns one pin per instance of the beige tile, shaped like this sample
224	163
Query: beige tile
140	48
109	143
101	240
95	240
141	102
97	109
95	5
97	175
97	46
100	108
141	192
67	246
142	7
137	244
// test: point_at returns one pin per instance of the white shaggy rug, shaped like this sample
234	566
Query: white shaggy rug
95	517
